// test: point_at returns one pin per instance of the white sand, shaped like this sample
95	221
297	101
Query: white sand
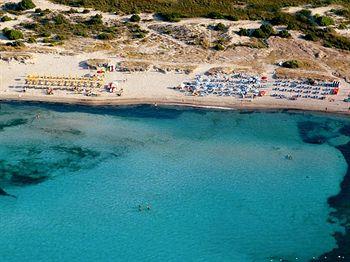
146	87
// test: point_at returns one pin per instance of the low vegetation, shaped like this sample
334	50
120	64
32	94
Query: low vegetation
171	17
227	9
21	6
220	27
314	27
47	24
265	31
292	64
135	18
12	34
54	28
5	18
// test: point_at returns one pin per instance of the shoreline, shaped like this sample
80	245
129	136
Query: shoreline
177	102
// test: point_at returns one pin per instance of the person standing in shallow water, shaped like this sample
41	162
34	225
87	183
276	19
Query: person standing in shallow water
147	207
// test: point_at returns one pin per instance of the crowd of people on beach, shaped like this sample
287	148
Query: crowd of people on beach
233	85
240	85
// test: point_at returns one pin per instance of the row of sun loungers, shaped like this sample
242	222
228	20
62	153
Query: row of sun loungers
63	83
286	89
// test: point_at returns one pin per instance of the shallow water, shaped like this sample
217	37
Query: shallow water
218	184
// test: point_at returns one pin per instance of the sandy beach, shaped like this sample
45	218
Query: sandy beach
159	51
141	88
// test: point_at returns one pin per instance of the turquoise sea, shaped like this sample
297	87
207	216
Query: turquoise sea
172	184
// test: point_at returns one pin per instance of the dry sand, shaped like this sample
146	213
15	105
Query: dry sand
140	88
154	87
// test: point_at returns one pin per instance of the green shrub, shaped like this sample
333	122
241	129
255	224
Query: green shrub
171	17
5	18
291	64
136	31
95	20
80	32
304	12
219	47
215	15
220	27
105	36
342	12
135	18
16	44
231	17
167	31
258	33
250	9
334	40
31	40
25	5
342	26
72	11
40	12
311	37
284	34
324	21
47	40
243	32
12	34
60	37
305	17
267	29
292	26
139	35
45	34
60	19
279	19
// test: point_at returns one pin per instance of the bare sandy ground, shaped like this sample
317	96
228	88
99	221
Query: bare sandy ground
140	88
